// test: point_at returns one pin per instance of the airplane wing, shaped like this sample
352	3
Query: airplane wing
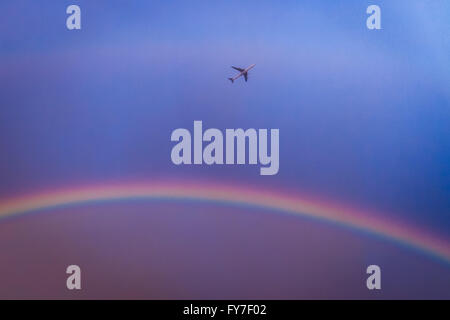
238	69
246	76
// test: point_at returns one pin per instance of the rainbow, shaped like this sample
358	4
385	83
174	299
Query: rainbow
233	195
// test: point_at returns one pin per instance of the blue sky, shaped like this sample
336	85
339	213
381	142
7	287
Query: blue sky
363	115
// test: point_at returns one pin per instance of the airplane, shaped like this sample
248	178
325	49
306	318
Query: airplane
242	72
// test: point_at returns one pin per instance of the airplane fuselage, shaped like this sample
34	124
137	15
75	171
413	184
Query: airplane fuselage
249	68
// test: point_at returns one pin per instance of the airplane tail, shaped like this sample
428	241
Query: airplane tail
231	79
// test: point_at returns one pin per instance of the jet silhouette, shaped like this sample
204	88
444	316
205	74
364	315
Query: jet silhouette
242	72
